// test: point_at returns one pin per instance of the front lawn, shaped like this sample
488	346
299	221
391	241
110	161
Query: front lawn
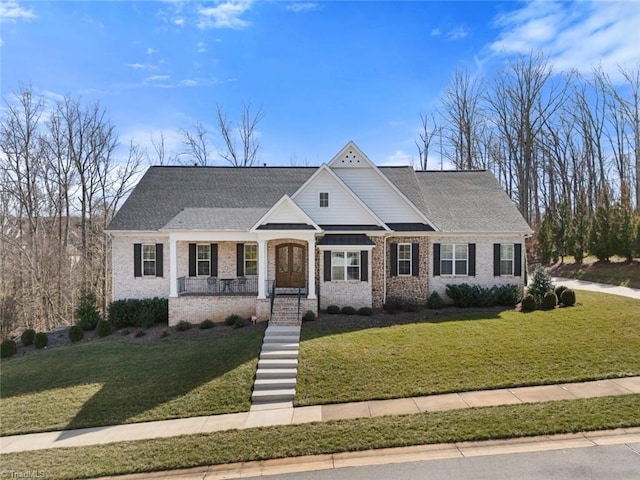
112	382
598	338
615	272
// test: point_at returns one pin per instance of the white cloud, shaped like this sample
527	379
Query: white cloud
151	51
436	32
179	21
224	15
298	7
11	11
575	35
142	66
157	78
457	33
399	157
202	47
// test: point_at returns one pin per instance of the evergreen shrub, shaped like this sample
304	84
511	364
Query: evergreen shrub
348	310
333	309
27	337
308	316
528	304
183	326
76	333
365	311
41	340
8	348
103	328
549	301
206	324
568	298
434	301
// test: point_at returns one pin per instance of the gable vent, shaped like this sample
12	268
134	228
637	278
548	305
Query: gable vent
350	157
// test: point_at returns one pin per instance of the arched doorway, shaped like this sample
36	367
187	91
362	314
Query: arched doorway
290	266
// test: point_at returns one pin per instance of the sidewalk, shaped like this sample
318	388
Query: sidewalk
597	287
318	413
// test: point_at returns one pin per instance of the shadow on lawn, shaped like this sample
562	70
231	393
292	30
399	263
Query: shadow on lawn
328	324
136	378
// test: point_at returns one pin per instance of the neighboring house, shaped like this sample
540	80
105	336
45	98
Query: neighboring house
222	240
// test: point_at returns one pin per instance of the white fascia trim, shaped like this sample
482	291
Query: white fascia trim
346	188
344	248
478	234
352	145
285	198
136	233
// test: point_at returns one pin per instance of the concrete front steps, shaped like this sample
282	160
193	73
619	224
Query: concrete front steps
275	384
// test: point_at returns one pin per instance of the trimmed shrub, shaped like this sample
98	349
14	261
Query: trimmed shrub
365	311
86	314
138	313
308	316
8	348
183	326
568	298
549	301
348	310
140	333
103	328
76	333
507	295
207	324
434	301
232	319
528	304
27	337
333	309
463	295
393	305
240	322
41	340
558	291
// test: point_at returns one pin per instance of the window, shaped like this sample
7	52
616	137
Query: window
506	259
251	259
204	260
404	259
324	199
149	259
345	265
454	259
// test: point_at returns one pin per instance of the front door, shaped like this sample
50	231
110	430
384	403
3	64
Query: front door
290	266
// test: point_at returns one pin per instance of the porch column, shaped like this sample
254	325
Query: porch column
173	267
262	268
311	268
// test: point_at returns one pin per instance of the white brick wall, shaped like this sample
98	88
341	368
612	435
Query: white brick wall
195	309
343	293
484	264
125	285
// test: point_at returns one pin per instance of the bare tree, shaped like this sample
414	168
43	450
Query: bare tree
196	145
160	150
247	133
426	138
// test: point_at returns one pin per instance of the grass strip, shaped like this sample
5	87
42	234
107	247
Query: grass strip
330	437
598	338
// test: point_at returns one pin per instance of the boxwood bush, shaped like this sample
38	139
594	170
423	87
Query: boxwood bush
465	295
309	316
183	326
232	319
568	298
528	304
365	311
549	301
8	348
138	313
27	337
333	309
206	324
41	340
434	301
348	310
103	328
76	333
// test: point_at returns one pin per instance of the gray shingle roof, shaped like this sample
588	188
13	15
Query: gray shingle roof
164	192
227	198
469	201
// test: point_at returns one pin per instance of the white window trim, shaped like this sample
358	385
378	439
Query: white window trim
346	265
320	199
512	259
155	260
454	259
246	260
198	260
410	260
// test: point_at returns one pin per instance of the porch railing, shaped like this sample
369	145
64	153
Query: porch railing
220	287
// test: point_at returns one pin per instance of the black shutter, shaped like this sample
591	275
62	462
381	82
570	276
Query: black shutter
517	259
192	260
496	259
214	259
472	259
327	266
137	259
240	259
159	260
436	259
364	266
394	259
415	259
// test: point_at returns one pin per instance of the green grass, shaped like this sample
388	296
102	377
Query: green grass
111	382
598	338
330	437
615	272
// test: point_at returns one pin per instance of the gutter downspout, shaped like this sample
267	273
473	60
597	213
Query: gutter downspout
384	281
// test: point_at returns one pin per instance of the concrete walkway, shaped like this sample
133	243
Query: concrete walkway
597	287
318	413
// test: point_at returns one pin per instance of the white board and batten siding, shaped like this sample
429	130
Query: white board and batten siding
343	208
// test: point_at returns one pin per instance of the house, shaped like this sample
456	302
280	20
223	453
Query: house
222	240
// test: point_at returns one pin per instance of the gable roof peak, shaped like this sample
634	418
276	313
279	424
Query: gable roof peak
350	156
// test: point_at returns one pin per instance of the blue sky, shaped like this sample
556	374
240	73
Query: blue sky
323	72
